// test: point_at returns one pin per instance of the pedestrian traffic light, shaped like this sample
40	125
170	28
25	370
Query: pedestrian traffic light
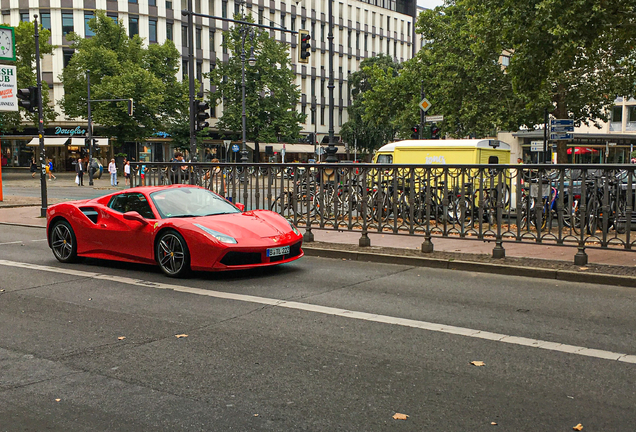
416	132
434	131
28	98
202	114
303	46
87	143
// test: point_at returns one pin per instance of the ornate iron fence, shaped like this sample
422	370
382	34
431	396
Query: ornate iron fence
584	206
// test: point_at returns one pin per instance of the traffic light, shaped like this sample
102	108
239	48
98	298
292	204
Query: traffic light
202	114
87	143
303	46
434	131
28	98
416	132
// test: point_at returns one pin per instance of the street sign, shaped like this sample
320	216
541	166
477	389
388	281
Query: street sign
561	122
8	88
235	148
560	136
425	104
435	118
561	129
227	143
536	146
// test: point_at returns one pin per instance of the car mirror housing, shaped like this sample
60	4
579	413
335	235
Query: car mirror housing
240	206
133	215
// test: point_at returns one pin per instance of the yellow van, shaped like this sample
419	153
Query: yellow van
444	152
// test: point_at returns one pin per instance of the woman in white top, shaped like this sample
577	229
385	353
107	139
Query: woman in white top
126	171
112	169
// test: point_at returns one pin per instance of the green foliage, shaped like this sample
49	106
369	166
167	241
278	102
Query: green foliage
26	76
121	68
270	93
368	132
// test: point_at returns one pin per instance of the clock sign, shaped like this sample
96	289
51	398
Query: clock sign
7	43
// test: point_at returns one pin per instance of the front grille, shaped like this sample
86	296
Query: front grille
234	258
294	250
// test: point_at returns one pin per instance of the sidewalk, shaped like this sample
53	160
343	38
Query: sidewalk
617	267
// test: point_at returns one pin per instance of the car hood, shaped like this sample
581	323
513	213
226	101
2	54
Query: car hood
251	224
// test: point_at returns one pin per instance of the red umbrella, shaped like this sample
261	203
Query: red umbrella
582	150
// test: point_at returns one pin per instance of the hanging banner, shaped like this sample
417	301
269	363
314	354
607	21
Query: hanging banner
8	88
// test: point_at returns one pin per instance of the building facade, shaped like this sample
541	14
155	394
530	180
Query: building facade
362	29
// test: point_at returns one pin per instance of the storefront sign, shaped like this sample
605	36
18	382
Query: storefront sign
8	88
161	134
71	132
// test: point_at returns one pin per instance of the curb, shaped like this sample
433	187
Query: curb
501	269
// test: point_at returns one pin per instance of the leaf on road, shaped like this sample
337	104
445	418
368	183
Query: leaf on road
582	268
578	427
493	423
400	416
1	290
255	415
57	400
478	363
121	338
179	336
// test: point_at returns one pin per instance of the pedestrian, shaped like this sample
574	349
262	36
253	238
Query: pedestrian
217	178
112	170
34	167
79	169
519	160
142	174
126	171
49	170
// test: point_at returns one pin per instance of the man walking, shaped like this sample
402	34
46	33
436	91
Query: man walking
79	169
112	169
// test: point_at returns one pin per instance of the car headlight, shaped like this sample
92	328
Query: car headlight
223	238
294	229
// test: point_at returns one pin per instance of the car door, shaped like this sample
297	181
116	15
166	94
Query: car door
128	239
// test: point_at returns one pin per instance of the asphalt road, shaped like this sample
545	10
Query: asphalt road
316	345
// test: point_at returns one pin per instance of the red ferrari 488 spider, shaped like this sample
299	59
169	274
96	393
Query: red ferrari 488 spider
179	227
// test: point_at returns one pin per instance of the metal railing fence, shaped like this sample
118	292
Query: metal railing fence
584	206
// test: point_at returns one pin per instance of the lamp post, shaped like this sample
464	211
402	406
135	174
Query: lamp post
331	150
245	31
314	106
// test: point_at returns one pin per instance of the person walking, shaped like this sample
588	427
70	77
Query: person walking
112	170
126	171
34	167
49	170
79	169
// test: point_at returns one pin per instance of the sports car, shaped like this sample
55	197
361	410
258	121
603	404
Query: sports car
180	228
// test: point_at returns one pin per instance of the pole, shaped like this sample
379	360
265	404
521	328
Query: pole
422	113
244	116
331	150
545	135
315	107
90	129
193	136
40	120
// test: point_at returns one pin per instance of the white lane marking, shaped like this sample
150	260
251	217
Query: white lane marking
39	240
8	243
365	316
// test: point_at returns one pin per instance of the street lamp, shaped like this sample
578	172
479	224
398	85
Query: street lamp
245	31
331	150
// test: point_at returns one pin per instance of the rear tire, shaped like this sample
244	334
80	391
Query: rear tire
63	242
172	254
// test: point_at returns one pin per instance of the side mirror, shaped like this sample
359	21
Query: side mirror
240	206
133	215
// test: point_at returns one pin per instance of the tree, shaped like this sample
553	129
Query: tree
271	95
572	58
121	68
369	133
26	76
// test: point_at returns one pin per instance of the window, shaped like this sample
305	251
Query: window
113	15
87	30
199	73
616	123
293	23
303	23
68	54
126	202
224	9
349	39
505	61
631	118
169	29
133	26
358	40
282	20
67	23
46	20
313	88
260	16
184	69
168	5
24	16
197	36
322	32
152	2
184	36
212	46
132	1
322	116
366	40
152	30
237	7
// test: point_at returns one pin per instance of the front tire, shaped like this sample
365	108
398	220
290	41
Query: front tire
172	254
63	242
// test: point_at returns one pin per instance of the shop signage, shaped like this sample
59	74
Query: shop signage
161	134
71	132
8	88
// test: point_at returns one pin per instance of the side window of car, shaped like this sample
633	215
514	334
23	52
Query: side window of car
138	202
118	203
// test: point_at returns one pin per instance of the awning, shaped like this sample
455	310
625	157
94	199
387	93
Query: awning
101	142
48	142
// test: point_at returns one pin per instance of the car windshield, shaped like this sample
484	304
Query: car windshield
190	202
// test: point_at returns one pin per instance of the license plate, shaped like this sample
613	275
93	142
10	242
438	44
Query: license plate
283	250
